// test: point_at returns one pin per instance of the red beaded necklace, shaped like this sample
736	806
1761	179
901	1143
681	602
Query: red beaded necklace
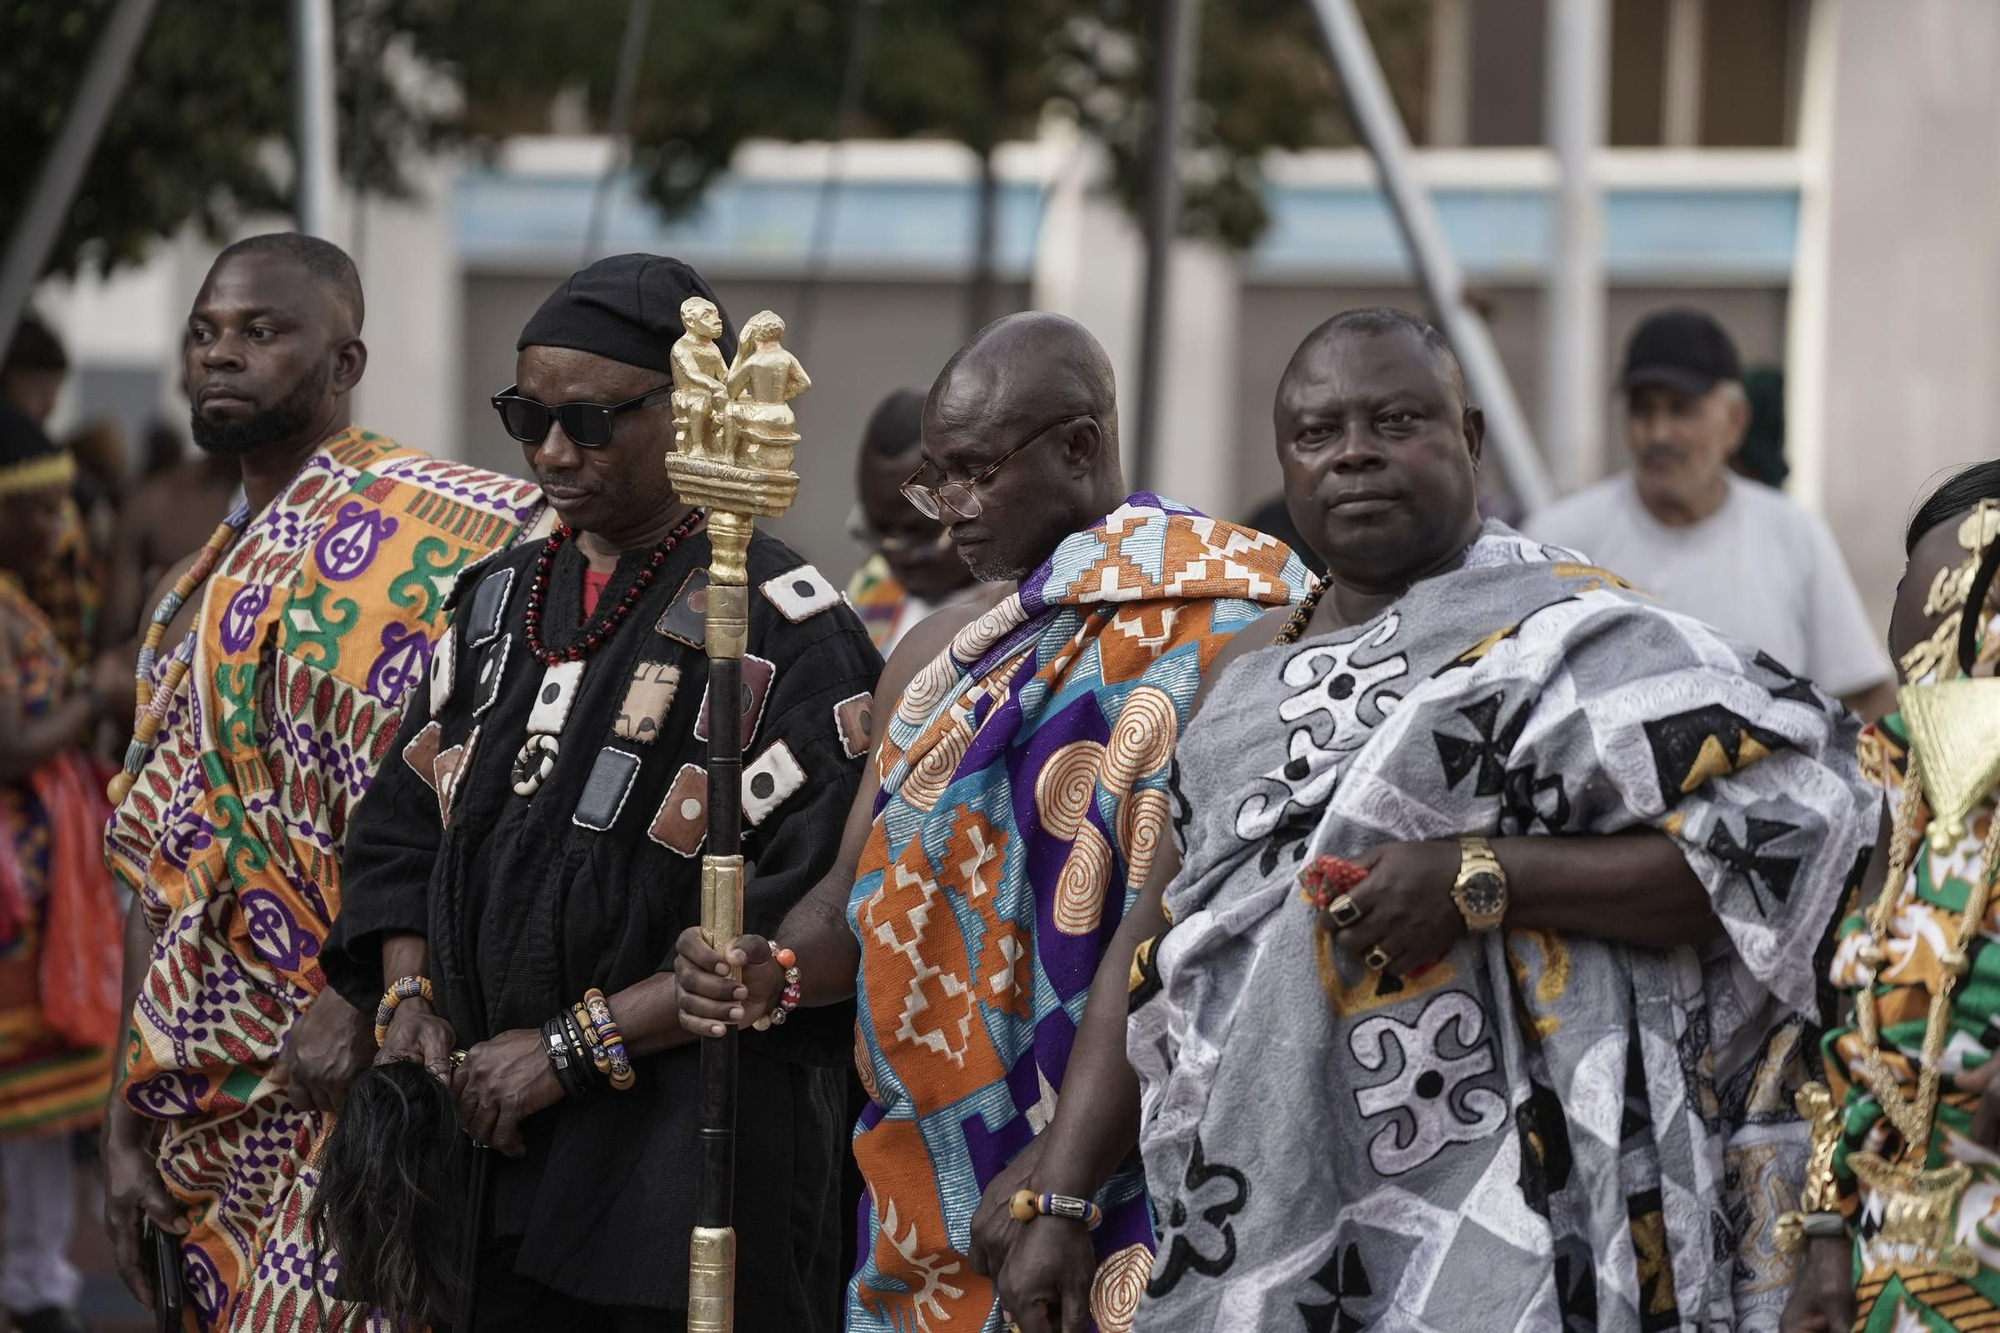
607	624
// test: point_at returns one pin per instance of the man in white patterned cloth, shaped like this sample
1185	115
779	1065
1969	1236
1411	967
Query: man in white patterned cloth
1478	985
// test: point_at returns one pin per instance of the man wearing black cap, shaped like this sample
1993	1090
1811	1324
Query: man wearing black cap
534	853
1684	527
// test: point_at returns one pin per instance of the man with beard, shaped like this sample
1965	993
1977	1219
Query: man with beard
914	570
518	877
1475	991
270	684
1707	542
1011	808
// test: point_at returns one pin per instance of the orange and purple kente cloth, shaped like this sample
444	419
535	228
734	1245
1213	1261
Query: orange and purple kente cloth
313	628
1024	793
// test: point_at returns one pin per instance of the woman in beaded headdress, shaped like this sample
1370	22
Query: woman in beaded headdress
1900	1216
59	921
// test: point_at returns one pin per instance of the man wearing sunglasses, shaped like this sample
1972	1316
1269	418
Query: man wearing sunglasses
1018	794
914	569
541	834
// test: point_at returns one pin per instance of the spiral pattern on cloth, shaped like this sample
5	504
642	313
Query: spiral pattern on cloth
1115	1292
927	690
1142	821
1066	787
931	774
973	642
1143	741
1080	885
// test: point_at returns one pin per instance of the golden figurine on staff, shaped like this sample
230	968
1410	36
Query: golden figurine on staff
734	438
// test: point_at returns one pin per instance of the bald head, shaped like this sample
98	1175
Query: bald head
1025	418
1375	321
1027	369
326	264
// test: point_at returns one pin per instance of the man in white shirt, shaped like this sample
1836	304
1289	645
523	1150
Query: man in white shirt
1684	527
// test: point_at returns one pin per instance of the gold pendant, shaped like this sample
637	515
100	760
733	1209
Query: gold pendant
1918	1210
1954	728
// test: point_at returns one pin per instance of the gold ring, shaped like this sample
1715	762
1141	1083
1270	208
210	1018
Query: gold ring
1376	959
1344	910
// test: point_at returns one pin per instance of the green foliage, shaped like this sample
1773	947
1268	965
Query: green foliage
1263	82
202	128
192	135
975	71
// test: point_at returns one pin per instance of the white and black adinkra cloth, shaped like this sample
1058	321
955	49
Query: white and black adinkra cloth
1540	1131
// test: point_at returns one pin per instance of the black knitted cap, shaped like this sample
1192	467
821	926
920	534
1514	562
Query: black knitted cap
627	308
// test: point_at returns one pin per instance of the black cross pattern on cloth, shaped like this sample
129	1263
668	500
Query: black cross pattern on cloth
1195	1232
1576	1286
1790	685
1773	874
1487	754
1345	1278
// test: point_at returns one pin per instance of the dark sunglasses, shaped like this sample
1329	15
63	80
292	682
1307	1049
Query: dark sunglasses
588	425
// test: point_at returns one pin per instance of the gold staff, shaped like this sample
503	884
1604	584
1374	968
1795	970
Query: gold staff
733	443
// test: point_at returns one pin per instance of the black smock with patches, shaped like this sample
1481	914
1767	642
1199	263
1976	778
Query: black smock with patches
528	900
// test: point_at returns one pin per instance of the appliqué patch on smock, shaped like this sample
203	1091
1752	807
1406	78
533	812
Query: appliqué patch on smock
758	673
449	766
646	701
444	670
686	618
489	604
801	594
767	783
535	761
605	790
491	668
422	752
560	682
681	825
854	718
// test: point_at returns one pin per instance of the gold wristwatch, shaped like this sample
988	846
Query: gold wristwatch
1481	887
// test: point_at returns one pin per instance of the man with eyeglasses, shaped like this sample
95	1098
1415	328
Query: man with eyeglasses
914	570
1017	795
539	837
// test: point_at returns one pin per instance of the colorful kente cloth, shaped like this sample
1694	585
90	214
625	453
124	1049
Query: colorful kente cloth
58	913
68	594
1023	794
311	631
1539	1130
1890	1291
876	597
888	609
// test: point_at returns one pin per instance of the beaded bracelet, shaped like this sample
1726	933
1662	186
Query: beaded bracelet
599	1057
1028	1206
404	988
619	1067
788	999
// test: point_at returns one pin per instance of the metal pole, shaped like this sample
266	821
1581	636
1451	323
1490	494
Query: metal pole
820	240
638	19
1573	394
1381	127
1176	23
313	115
61	171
